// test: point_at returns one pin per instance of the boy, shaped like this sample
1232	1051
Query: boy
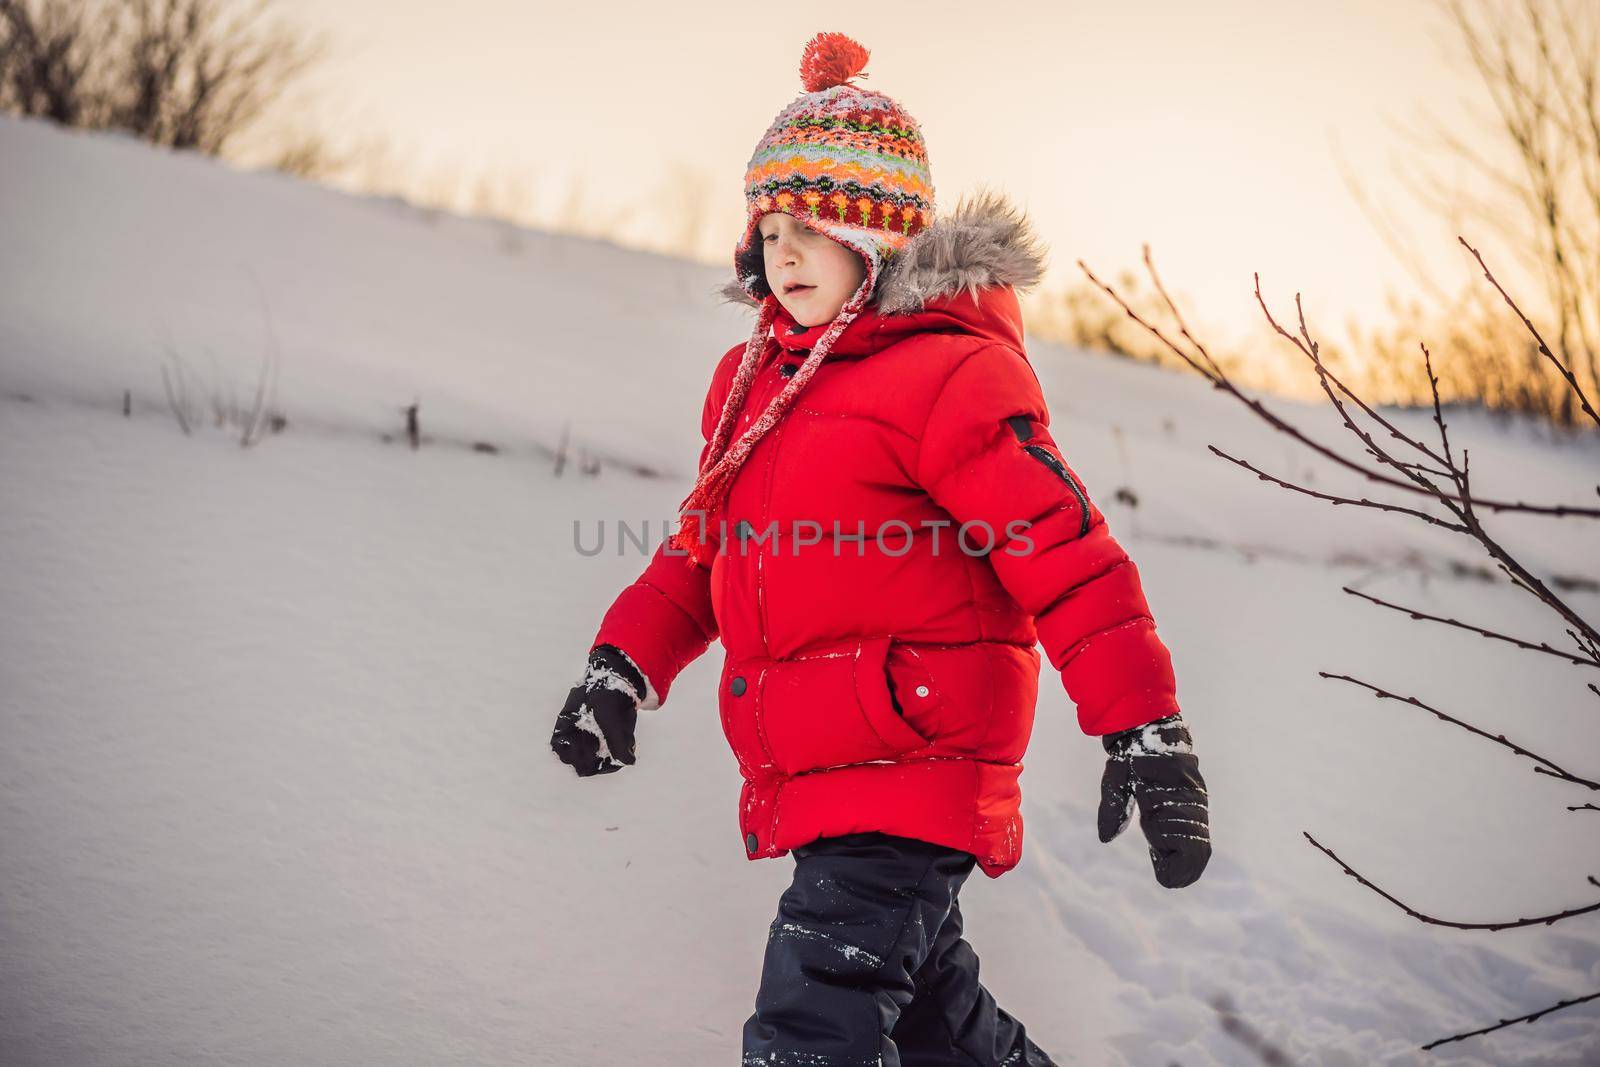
880	562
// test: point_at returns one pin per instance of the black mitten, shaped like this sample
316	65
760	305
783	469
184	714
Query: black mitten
594	732
1154	766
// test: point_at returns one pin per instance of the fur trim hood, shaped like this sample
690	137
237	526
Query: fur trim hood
985	241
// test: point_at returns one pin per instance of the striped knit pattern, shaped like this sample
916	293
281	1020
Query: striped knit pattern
850	164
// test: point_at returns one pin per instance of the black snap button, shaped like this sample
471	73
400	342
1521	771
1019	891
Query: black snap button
743	529
788	369
750	843
737	687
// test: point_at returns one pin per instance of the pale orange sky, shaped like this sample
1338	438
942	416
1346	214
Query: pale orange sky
1213	131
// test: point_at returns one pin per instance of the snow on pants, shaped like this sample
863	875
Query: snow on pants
866	967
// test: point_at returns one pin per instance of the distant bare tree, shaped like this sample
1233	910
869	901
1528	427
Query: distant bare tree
683	206
181	73
1079	317
309	154
1538	62
504	194
1430	482
47	62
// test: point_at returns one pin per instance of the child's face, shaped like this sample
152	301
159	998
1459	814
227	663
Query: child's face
797	256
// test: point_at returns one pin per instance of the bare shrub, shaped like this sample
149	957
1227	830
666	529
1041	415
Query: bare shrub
187	74
1493	362
1429	482
1535	183
194	400
1078	316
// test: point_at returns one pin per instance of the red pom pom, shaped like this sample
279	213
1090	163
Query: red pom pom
831	59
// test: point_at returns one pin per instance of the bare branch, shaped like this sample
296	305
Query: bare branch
1333	499
1220	380
1512	1022
1548	766
1539	920
1540	647
1310	350
1544	349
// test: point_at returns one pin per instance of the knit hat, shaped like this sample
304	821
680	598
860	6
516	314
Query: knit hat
848	163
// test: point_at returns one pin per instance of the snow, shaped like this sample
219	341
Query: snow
275	780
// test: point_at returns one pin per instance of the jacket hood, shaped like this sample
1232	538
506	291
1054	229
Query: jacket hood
959	275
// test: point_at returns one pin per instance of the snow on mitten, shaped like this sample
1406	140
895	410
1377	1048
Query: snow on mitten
1154	766
594	732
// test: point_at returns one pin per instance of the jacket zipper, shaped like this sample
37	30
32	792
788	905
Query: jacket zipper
1045	456
765	497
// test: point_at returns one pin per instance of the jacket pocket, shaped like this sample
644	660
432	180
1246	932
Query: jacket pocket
918	697
833	708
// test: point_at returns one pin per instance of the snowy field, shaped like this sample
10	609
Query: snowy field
275	784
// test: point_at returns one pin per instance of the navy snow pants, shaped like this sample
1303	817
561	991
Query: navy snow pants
865	965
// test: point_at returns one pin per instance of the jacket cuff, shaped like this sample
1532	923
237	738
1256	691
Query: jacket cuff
1163	737
652	698
1136	709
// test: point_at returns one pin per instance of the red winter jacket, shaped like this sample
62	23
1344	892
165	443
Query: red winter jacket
877	675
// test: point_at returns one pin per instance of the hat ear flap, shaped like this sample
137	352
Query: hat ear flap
751	263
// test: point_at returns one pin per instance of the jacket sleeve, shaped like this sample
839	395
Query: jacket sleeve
663	620
986	455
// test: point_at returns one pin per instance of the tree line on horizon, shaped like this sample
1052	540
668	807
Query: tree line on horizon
216	77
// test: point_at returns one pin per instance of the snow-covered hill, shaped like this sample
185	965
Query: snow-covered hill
275	784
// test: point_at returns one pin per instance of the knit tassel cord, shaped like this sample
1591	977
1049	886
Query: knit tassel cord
717	473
